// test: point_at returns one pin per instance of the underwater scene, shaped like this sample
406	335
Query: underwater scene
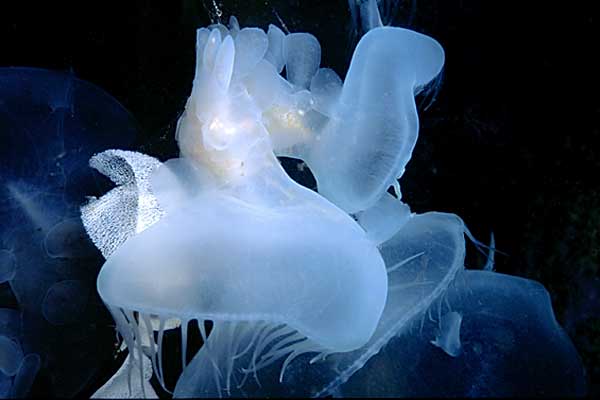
299	198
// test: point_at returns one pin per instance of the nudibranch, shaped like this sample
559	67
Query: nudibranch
222	233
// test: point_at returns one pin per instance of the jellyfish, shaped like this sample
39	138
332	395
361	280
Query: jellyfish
53	326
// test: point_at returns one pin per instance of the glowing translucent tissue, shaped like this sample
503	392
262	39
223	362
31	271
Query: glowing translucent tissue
315	283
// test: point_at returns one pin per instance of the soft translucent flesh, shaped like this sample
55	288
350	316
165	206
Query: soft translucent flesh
240	240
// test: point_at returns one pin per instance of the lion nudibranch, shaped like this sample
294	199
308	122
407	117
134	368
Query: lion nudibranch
278	268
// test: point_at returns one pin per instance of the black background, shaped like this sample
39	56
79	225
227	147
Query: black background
509	143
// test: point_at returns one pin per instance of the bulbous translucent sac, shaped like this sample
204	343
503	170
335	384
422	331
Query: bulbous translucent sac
367	142
511	345
51	123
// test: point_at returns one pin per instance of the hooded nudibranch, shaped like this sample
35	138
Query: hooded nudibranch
223	234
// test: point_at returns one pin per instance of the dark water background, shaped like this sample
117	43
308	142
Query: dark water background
509	143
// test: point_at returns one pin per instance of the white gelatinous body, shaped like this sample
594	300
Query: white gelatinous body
227	236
